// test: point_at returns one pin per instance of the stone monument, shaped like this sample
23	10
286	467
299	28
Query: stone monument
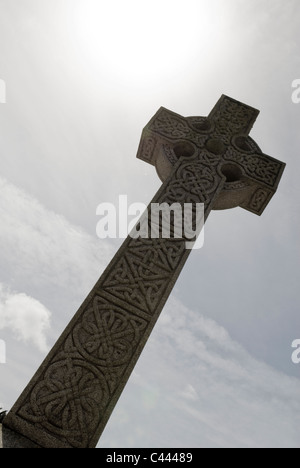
209	160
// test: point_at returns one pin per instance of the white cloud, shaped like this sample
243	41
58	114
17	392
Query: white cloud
26	317
49	259
42	252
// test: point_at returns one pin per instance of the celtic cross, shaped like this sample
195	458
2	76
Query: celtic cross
210	160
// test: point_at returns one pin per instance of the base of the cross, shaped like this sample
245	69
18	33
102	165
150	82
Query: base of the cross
11	439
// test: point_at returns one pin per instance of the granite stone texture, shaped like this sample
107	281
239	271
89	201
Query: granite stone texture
11	439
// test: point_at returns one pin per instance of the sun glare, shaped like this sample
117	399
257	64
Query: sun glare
138	39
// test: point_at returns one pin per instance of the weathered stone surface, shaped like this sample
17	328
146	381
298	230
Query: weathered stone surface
211	161
11	439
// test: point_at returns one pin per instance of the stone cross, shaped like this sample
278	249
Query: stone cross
210	160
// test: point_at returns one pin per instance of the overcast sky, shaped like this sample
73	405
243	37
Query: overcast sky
83	77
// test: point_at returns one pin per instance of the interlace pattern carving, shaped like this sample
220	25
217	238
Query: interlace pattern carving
77	385
259	199
174	128
148	147
257	166
231	118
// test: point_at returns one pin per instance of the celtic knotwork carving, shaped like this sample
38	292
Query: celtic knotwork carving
220	138
68	401
170	126
259	199
258	166
231	118
137	283
201	124
142	275
173	127
233	155
209	158
177	192
262	168
164	254
238	185
148	148
107	335
171	156
193	182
